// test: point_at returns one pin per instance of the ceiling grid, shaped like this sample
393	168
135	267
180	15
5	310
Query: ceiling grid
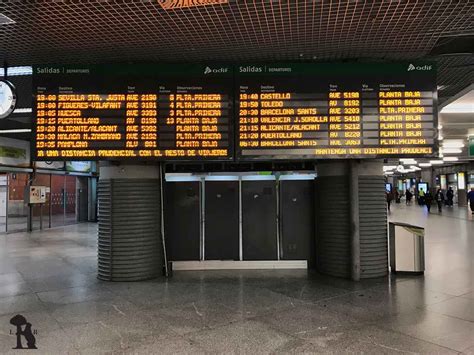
71	32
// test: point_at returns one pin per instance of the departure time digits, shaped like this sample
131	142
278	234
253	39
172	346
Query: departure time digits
132	125
336	123
272	111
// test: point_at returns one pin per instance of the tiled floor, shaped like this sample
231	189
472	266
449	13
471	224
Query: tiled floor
20	223
49	277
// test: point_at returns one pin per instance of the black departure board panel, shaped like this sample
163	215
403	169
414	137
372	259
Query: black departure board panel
159	112
188	112
310	111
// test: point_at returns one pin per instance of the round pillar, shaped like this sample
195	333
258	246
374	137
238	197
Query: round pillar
129	246
333	244
351	219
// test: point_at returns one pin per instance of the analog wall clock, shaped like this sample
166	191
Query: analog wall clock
7	98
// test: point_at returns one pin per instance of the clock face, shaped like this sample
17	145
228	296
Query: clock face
7	98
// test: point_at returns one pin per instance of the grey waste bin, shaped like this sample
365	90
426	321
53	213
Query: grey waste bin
407	248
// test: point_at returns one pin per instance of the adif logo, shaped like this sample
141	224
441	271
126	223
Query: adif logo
423	68
222	70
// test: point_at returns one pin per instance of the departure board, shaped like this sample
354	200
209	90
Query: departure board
191	112
311	111
116	112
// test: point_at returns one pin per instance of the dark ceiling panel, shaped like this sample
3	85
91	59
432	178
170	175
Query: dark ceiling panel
137	31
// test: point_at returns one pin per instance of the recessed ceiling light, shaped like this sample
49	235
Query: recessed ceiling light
400	168
450	158
408	161
23	110
453	143
17	71
435	162
425	165
5	20
448	150
19	130
458	108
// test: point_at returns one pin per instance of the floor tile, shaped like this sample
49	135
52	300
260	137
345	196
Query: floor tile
171	346
309	322
94	311
458	307
10	290
368	340
194	316
242	337
436	328
20	303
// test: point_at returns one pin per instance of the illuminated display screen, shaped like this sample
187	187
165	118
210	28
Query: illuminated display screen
313	111
260	112
165	112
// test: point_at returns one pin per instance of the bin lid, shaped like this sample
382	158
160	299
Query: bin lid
414	229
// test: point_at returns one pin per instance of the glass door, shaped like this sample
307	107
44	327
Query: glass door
3	202
17	213
57	200
70	200
82	188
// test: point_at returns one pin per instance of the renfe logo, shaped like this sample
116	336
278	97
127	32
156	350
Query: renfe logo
222	70
424	67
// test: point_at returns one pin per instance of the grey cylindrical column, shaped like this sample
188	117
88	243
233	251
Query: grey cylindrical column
351	238
354	219
333	244
372	220
129	246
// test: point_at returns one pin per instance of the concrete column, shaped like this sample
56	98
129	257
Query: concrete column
354	219
351	219
333	230
428	175
372	220
130	245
